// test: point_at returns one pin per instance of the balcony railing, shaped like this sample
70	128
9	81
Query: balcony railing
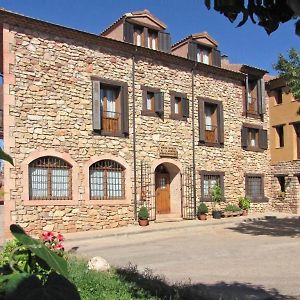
252	105
111	121
211	134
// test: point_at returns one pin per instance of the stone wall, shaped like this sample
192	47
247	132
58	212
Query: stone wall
52	110
290	201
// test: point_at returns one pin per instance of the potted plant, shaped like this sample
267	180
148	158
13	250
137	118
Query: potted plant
216	195
143	216
232	210
202	211
244	204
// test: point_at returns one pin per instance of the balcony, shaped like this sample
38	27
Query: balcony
111	121
252	105
211	135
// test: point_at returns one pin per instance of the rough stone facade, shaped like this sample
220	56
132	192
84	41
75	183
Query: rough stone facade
49	108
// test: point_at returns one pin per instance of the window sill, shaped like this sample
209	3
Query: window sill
50	202
149	114
210	200
210	144
178	117
108	202
251	115
259	200
108	133
253	149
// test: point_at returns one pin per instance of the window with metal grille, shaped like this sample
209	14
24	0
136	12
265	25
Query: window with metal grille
50	178
107	180
254	187
208	180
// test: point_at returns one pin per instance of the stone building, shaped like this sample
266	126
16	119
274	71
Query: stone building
99	125
284	146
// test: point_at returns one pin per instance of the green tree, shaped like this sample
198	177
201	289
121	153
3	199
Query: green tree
289	69
266	13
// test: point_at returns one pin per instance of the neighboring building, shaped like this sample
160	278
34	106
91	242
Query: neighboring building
98	127
285	146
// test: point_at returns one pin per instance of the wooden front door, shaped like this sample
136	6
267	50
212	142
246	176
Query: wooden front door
162	193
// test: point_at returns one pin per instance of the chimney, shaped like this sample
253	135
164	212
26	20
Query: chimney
224	60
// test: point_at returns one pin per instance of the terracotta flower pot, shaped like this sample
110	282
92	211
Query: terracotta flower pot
202	217
245	212
143	222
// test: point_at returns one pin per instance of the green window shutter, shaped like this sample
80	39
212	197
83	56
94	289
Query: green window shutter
125	112
128	32
201	121
263	139
216	57
159	103
220	124
96	105
192	51
185	107
164	42
244	137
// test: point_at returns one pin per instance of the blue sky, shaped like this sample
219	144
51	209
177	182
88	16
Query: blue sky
249	44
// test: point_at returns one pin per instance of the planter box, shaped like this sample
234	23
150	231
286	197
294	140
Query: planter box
227	214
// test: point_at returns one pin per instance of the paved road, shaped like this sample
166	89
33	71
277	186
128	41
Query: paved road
258	258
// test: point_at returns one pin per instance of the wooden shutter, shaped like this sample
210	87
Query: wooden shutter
185	108
124	111
192	51
159	103
244	137
146	34
201	120
246	93
261	97
263	139
96	106
164	42
216	57
220	124
128	32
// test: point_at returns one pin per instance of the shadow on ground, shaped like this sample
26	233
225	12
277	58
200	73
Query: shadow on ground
271	226
159	288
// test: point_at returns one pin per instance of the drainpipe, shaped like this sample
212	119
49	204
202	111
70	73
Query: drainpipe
193	141
134	137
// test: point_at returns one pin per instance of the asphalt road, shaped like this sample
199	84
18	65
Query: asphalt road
253	260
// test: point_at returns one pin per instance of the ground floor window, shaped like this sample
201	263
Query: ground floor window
107	180
50	179
254	187
208	181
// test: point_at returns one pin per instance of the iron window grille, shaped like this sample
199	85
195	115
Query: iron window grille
50	178
209	181
255	187
107	180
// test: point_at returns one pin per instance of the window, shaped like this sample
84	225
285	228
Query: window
179	106
279	136
107	180
208	181
211	122
138	36
50	178
203	55
153	102
281	182
254	138
152	40
254	97
110	108
255	187
278	96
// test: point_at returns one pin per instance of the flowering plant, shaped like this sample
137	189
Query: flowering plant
53	240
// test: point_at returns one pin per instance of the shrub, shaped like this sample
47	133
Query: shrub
202	209
232	208
143	213
244	203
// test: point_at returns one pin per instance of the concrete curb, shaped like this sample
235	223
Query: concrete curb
136	230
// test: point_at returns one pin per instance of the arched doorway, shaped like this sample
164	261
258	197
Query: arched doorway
162	190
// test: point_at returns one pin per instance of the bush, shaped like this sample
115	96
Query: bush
143	213
244	203
202	209
232	208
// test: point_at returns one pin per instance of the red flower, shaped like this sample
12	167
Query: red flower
60	237
48	236
59	247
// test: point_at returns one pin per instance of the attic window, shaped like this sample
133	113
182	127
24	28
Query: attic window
203	55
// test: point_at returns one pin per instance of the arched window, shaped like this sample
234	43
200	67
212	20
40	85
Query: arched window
107	180
50	178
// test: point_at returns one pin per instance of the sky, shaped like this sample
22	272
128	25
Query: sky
249	44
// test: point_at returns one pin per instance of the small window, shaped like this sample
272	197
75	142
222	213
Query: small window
279	136
150	101
254	187
138	36
107	180
208	181
153	102
252	104
254	138
278	96
179	106
203	55
152	40
50	178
